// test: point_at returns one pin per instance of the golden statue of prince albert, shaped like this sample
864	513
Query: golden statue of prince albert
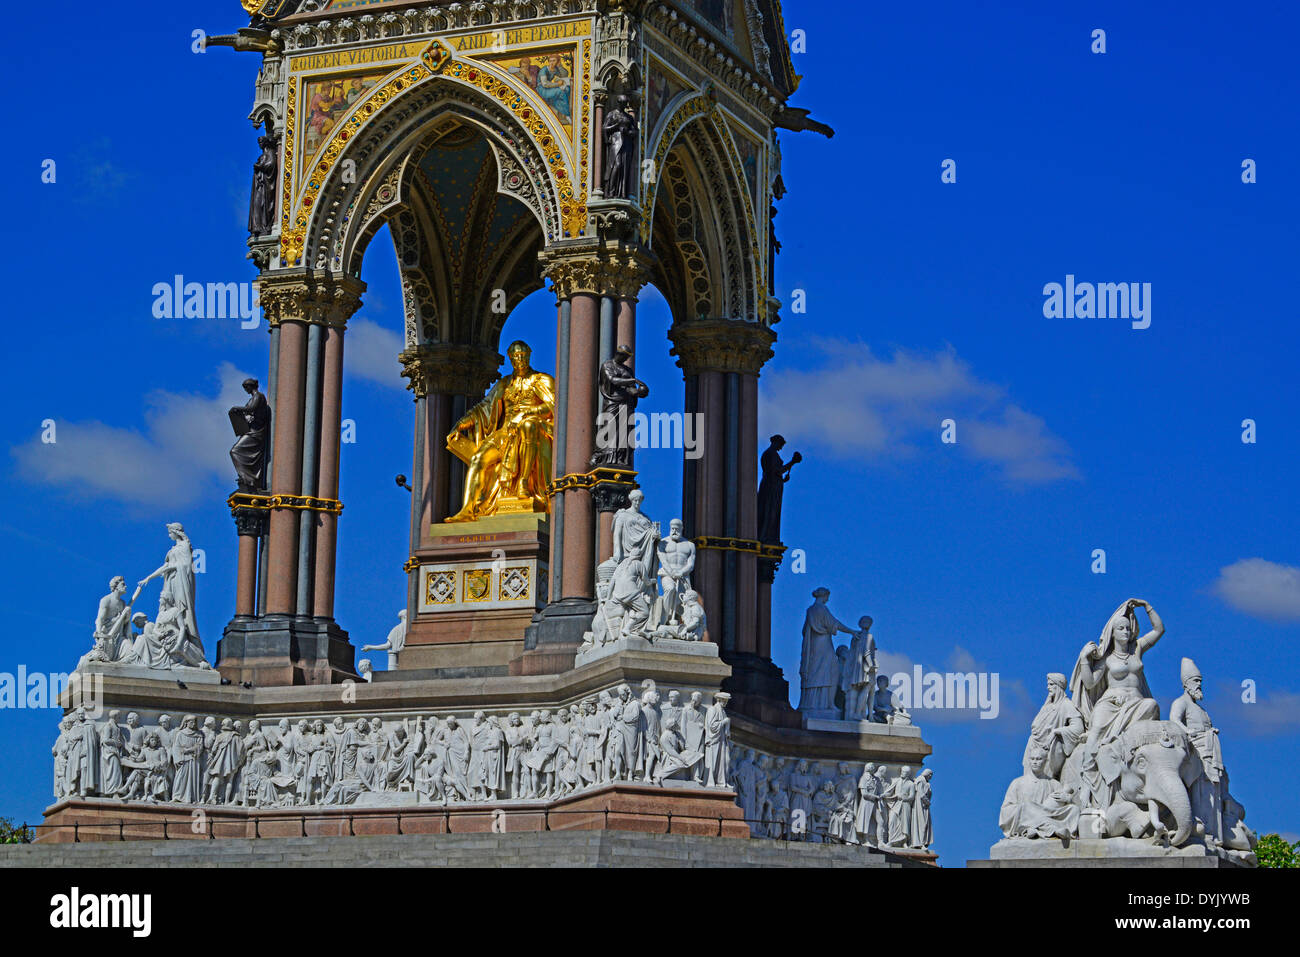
505	441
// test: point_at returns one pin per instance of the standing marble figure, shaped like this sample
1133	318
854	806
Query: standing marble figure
819	667
717	742
177	599
860	676
252	424
676	564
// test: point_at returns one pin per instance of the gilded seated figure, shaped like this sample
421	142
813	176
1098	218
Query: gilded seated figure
506	441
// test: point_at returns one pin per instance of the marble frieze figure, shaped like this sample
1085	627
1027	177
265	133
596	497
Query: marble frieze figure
656	738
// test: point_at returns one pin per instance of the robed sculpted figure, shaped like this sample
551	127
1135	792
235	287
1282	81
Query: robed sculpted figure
1058	727
506	443
819	668
176	604
1109	687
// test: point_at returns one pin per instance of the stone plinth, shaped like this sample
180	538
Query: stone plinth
840	726
283	650
1094	852
478	586
191	676
664	646
854	742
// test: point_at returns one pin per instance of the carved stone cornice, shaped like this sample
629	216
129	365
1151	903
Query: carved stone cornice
314	27
438	368
619	273
721	345
309	296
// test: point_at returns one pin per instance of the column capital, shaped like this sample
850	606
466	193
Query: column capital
721	345
450	369
619	272
309	296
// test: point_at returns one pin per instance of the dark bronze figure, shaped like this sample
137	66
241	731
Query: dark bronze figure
771	490
621	133
261	205
620	390
252	423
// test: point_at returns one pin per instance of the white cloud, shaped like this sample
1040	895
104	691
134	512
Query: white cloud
1261	588
857	406
180	457
1274	713
371	351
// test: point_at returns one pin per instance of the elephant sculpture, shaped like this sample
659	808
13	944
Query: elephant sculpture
1156	766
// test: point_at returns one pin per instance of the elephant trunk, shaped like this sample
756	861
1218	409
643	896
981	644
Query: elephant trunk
1166	788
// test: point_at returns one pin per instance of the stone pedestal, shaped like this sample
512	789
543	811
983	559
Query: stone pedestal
98	671
1123	852
811	721
478	586
284	650
554	636
663	646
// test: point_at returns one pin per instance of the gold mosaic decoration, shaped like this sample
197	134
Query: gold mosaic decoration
436	59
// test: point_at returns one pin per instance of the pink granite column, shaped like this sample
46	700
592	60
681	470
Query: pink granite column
579	570
327	483
245	589
286	469
625	324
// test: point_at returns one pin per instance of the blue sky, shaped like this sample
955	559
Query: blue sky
924	303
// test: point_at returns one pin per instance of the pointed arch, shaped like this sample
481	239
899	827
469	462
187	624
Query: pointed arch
700	219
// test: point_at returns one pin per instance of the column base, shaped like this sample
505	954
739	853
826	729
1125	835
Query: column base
759	689
283	650
552	641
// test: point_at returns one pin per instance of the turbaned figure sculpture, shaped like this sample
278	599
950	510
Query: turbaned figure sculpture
506	442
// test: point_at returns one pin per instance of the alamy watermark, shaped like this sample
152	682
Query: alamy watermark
658	430
1102	300
921	690
22	689
179	299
